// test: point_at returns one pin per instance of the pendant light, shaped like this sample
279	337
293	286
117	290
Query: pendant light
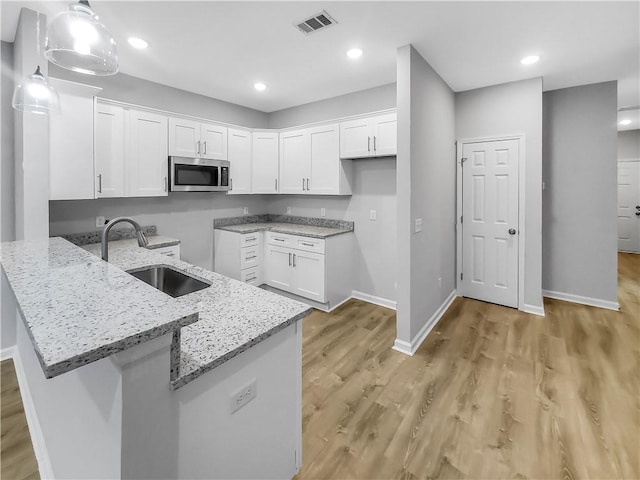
78	41
35	94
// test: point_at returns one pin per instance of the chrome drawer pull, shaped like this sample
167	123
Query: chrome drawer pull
251	239
250	279
249	258
308	244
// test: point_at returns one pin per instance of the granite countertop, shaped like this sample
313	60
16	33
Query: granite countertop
233	316
303	226
78	309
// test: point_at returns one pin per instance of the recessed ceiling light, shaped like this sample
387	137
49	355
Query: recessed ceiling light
138	43
625	122
354	53
259	86
530	60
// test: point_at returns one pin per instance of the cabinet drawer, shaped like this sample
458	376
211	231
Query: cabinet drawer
250	256
309	244
251	276
249	239
170	251
280	239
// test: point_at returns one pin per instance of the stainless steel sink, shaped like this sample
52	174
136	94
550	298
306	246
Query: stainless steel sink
170	281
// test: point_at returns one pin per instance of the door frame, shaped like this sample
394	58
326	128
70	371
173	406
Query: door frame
520	137
623	160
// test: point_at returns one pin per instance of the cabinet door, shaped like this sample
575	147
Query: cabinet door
239	150
325	160
385	135
109	151
71	143
184	137
295	158
147	163
213	141
278	268
355	138
264	164
309	275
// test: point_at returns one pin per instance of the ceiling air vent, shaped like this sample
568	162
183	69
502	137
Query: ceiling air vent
315	23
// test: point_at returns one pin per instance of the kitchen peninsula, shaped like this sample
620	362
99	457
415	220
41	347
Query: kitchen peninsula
142	385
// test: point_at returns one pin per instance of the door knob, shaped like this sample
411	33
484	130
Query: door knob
512	231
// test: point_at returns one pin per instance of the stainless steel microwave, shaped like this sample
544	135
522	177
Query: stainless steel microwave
198	175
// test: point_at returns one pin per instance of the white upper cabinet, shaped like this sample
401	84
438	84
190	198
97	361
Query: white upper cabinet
147	164
189	138
264	164
328	174
310	162
374	136
109	150
239	152
71	173
295	159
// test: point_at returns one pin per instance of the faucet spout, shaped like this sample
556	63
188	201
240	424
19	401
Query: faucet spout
142	238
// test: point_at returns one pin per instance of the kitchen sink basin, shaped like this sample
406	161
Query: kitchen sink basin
170	281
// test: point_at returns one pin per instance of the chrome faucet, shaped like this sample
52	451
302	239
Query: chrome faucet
142	238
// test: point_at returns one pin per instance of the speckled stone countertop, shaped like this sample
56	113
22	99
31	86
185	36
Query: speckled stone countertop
233	316
303	226
79	309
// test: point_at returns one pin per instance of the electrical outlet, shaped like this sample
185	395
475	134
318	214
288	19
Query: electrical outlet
288	209
323	212
245	210
100	221
243	396
372	215
418	225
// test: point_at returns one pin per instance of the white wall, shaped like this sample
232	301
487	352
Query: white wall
373	188
513	108
580	206
629	144
426	190
7	192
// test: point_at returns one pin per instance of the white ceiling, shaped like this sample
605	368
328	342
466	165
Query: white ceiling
220	49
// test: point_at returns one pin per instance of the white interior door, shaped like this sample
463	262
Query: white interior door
629	206
490	221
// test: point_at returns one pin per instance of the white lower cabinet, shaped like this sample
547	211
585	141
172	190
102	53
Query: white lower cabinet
238	255
172	251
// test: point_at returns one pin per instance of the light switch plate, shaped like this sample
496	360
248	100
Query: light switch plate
372	215
418	227
100	221
323	212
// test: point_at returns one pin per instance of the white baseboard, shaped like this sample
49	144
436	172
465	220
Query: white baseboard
533	309
35	432
592	302
411	348
365	297
9	352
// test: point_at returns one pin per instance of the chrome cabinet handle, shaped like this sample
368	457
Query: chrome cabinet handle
303	185
205	146
276	184
368	144
294	259
250	279
249	258
231	184
249	239
198	147
374	143
308	188
512	231
307	244
166	184
99	183
279	239
289	259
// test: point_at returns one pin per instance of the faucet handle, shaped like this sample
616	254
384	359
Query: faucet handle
142	238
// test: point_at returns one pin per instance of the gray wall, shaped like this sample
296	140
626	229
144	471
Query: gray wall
513	108
7	203
373	188
186	216
137	91
629	144
580	206
370	100
426	189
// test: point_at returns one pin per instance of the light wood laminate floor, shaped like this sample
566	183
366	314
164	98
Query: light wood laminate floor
17	460
492	393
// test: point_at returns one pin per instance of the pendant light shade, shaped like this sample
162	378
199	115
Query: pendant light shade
78	41
35	95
